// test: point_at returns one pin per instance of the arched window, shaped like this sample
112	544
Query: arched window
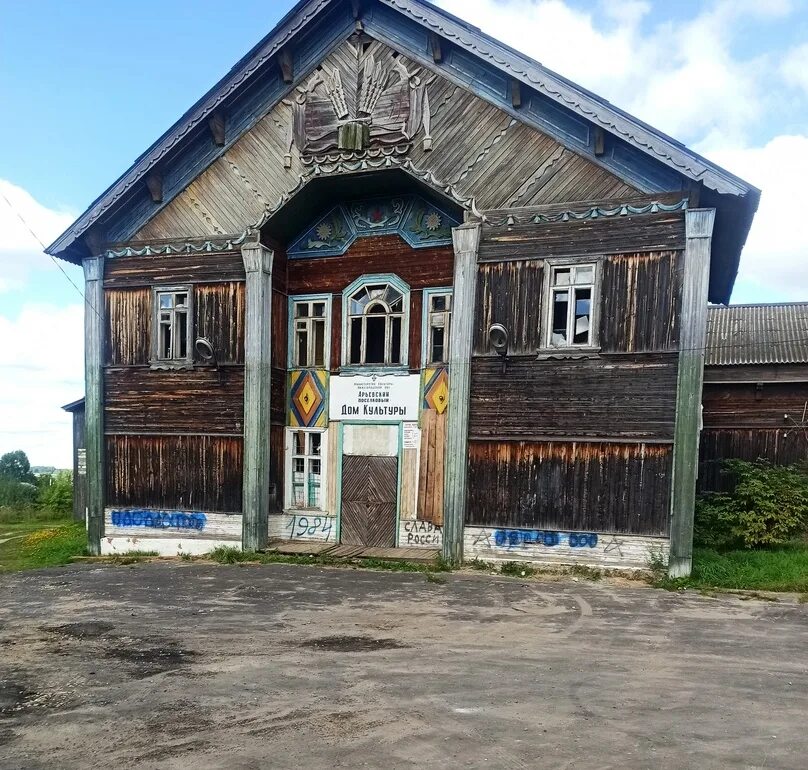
376	322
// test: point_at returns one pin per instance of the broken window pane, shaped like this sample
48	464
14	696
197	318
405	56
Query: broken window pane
560	313
562	277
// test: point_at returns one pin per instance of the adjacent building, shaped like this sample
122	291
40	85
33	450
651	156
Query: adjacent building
755	388
392	283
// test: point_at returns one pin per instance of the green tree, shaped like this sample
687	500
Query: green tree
14	466
58	495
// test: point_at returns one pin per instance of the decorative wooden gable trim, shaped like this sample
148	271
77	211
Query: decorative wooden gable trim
465	157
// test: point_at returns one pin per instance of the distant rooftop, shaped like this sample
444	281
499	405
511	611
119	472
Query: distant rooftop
757	334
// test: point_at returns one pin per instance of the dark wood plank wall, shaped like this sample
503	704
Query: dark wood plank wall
630	397
779	446
199	400
747	422
593	487
577	441
581	237
79	479
174	435
175	472
420	268
166	269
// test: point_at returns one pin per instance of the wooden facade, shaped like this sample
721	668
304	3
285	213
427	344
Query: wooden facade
296	336
755	400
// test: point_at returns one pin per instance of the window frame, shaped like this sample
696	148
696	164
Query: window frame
550	266
188	359
426	338
290	456
348	292
292	347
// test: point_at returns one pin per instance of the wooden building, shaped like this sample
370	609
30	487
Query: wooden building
755	403
392	283
76	410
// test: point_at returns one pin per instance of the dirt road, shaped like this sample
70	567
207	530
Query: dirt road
174	665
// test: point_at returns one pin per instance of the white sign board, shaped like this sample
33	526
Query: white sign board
412	436
374	397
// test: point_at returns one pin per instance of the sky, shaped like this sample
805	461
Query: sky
86	86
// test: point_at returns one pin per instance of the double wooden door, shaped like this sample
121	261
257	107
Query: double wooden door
369	492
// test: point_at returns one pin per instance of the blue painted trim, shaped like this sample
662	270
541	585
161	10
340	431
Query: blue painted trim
333	233
290	331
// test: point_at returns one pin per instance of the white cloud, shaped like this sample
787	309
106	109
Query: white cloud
794	67
41	344
20	252
41	368
687	80
775	254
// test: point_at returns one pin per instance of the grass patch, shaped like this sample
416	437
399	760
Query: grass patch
481	566
781	568
21	514
33	546
229	555
517	569
585	572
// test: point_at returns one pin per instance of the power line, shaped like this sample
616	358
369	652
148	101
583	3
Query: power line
44	251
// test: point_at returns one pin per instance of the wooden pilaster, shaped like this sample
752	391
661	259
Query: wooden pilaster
693	337
94	398
257	350
466	239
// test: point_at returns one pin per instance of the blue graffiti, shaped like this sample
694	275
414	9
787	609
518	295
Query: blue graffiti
514	538
159	519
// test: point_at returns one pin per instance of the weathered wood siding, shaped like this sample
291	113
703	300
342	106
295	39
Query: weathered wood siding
199	400
149	270
588	487
219	312
626	397
576	440
175	472
431	475
174	436
476	147
747	422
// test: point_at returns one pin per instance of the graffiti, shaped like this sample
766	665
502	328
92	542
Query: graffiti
614	545
159	519
422	533
318	527
515	538
483	537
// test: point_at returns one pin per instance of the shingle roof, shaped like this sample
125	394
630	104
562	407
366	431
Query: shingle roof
757	334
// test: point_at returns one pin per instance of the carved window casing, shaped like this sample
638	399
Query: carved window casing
376	323
173	325
571	304
305	469
437	322
309	331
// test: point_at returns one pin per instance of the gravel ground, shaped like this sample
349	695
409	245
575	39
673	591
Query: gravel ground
191	665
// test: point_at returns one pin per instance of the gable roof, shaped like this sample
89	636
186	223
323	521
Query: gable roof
757	334
376	16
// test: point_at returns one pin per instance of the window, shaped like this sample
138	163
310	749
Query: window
437	318
173	324
306	469
571	294
375	314
309	343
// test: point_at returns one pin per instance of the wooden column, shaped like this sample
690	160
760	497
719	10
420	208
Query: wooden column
94	398
692	339
257	354
466	239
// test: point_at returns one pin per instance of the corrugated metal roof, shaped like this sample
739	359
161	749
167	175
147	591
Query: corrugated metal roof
757	334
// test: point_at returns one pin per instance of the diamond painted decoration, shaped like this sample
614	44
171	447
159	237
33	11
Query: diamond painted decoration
436	389
308	391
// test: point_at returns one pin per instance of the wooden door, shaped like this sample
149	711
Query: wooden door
369	491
